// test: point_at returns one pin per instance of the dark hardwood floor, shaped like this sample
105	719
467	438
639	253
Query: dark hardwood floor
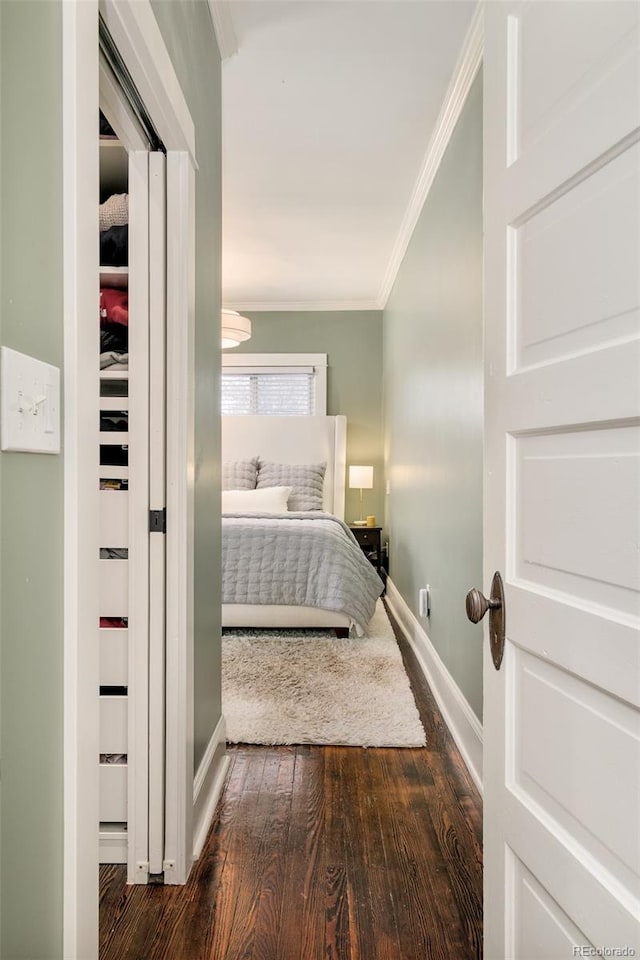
339	853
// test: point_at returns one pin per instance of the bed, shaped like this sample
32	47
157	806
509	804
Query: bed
291	568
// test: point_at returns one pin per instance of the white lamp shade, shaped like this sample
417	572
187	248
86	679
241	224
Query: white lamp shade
234	329
361	477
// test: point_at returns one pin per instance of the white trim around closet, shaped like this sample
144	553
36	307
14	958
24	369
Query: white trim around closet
136	33
180	515
118	113
81	532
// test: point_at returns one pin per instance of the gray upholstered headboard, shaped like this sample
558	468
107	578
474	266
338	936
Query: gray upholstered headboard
293	440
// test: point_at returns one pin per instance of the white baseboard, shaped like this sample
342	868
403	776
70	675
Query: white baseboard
207	785
113	845
465	727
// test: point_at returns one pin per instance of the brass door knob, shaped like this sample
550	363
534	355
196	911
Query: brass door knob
477	605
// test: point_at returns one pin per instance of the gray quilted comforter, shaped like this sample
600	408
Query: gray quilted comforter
308	559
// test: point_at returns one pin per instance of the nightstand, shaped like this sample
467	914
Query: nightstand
369	539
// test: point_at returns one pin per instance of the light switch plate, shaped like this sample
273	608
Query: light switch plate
29	404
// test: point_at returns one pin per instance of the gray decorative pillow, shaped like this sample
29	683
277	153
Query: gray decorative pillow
239	474
305	479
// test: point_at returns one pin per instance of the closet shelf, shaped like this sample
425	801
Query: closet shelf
109	374
120	404
114	277
114	473
113	800
114	438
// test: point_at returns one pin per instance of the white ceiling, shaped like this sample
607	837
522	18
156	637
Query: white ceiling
329	107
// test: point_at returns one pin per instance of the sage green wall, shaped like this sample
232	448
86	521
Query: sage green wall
187	30
433	405
31	489
352	340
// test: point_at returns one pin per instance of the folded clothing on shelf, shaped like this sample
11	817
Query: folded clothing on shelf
114	553
114	212
114	336
114	247
113	360
117	422
113	484
114	455
114	306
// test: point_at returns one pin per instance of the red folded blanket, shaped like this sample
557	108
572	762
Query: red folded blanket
114	306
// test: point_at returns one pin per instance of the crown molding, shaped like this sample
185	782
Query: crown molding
464	74
224	29
301	306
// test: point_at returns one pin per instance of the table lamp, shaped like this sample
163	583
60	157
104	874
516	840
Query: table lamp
360	478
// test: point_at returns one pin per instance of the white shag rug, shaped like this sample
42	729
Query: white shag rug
307	686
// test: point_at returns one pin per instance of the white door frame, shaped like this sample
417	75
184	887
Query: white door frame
136	33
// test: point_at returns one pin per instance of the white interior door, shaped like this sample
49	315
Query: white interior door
562	506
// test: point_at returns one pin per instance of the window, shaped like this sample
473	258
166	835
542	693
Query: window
274	384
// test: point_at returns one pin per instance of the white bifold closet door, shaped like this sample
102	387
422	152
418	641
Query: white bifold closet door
157	501
146	714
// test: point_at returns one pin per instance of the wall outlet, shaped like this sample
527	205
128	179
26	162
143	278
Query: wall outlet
424	601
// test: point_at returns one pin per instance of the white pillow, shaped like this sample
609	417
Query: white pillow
267	500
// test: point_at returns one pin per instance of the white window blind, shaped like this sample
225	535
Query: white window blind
273	393
277	384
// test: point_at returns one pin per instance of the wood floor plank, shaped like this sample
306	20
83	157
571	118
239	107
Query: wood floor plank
253	857
271	908
349	921
322	852
301	931
448	851
339	937
414	857
384	937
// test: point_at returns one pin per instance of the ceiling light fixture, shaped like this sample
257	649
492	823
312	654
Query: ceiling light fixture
234	329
